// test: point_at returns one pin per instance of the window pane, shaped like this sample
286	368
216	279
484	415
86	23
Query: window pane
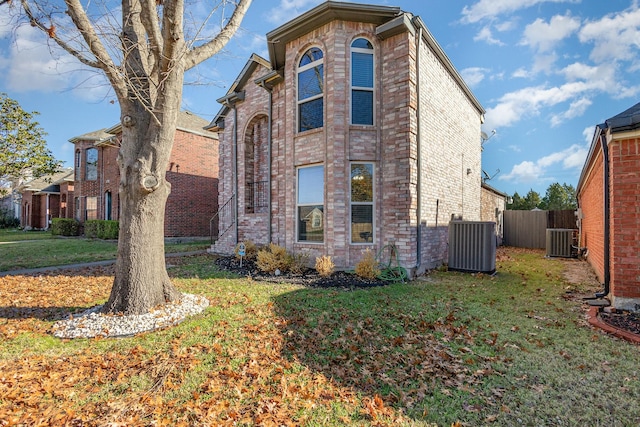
92	164
362	44
310	82
362	182
310	56
362	107
361	223
311	114
311	185
362	69
91	208
311	223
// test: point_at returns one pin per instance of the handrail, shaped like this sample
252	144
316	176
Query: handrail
224	212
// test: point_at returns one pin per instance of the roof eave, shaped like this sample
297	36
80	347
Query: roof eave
319	16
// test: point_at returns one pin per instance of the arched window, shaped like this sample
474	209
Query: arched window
361	82
77	166
91	167
311	90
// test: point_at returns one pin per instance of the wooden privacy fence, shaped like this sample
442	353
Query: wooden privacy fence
527	229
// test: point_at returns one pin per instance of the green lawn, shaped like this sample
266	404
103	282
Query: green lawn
32	249
512	349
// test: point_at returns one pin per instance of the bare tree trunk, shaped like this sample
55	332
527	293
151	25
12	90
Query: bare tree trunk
141	281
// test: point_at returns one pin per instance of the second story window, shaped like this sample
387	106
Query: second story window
77	165
310	90
91	167
361	82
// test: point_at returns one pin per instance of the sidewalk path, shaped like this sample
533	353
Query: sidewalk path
84	265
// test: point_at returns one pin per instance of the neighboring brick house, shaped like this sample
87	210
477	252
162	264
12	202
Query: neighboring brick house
357	133
609	200
192	172
45	198
492	206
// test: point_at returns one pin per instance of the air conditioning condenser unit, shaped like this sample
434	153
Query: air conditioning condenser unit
472	246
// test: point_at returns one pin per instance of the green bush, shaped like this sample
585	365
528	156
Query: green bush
65	227
101	229
7	220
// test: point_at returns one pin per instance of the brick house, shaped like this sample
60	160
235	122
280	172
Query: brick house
357	133
608	195
192	172
45	198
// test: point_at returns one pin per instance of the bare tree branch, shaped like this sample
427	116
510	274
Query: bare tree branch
103	61
207	50
50	31
149	18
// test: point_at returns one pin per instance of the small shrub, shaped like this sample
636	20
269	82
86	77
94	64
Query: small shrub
272	258
250	250
7	220
108	229
368	266
101	229
65	227
297	263
324	265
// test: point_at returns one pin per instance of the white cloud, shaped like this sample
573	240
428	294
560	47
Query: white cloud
490	9
288	9
615	36
526	172
544	36
576	109
485	35
588	134
33	65
473	75
521	73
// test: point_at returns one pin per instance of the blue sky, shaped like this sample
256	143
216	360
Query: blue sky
546	71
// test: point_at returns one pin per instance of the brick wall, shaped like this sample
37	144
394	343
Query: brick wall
591	201
450	144
492	209
192	172
625	222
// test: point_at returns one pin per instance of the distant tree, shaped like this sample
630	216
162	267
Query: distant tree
559	197
528	202
23	149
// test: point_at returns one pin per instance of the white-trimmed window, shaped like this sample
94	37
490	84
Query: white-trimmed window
91	208
361	82
362	202
311	90
310	204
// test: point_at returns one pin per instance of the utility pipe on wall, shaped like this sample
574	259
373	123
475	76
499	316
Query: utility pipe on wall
607	234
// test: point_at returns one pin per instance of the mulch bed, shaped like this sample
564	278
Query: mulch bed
626	321
308	277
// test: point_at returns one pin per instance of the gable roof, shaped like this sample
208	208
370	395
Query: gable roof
235	91
48	183
320	15
627	120
96	135
187	122
390	21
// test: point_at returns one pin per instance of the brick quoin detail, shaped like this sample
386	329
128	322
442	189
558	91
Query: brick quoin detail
449	145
